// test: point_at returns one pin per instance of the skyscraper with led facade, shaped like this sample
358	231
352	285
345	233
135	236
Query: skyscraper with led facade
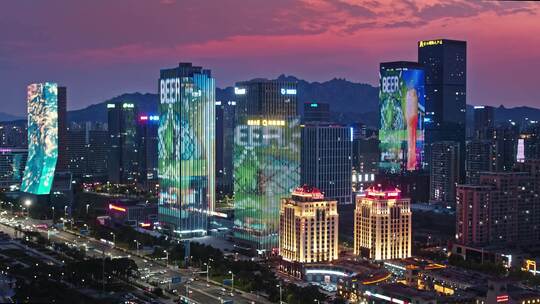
402	109
42	101
266	158
186	160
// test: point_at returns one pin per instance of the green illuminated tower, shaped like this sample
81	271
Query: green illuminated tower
186	149
266	158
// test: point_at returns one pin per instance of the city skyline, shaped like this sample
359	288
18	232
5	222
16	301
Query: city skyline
317	41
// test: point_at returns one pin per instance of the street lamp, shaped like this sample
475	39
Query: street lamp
87	205
65	211
137	244
317	301
208	272
166	258
232	281
280	294
114	238
27	203
52	214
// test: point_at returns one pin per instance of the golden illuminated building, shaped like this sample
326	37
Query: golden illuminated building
382	225
308	227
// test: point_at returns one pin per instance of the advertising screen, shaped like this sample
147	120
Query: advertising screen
42	101
185	150
266	169
402	110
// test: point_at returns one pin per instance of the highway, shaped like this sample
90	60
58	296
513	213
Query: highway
192	286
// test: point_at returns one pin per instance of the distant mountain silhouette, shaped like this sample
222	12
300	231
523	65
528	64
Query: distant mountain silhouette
8	117
349	102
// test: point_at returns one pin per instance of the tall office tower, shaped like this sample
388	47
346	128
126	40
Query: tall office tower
266	158
98	139
39	171
148	150
481	156
326	160
186	149
316	112
445	63
62	163
12	163
484	121
225	123
123	156
382	225
76	149
444	174
506	136
308	227
365	164
499	210
402	108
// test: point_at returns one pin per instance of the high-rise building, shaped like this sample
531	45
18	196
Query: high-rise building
62	163
484	120
316	112
123	156
382	225
12	163
529	142
39	171
444	174
326	160
148	150
266	158
445	64
506	137
186	149
308	227
14	134
481	156
402	108
225	123
500	210
88	149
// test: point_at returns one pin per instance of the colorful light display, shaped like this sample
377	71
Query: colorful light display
186	149
42	101
267	168
402	106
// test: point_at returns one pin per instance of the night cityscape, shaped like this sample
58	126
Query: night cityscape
284	151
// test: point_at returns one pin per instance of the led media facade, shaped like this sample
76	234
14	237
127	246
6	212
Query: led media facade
42	101
402	109
186	149
266	168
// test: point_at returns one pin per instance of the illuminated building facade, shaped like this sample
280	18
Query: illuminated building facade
308	227
186	151
445	64
402	109
326	160
266	158
382	225
40	167
123	156
445	173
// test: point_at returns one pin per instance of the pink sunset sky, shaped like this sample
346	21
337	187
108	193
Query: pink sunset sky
103	48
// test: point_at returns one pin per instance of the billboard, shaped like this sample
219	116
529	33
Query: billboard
402	112
186	152
42	101
266	168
